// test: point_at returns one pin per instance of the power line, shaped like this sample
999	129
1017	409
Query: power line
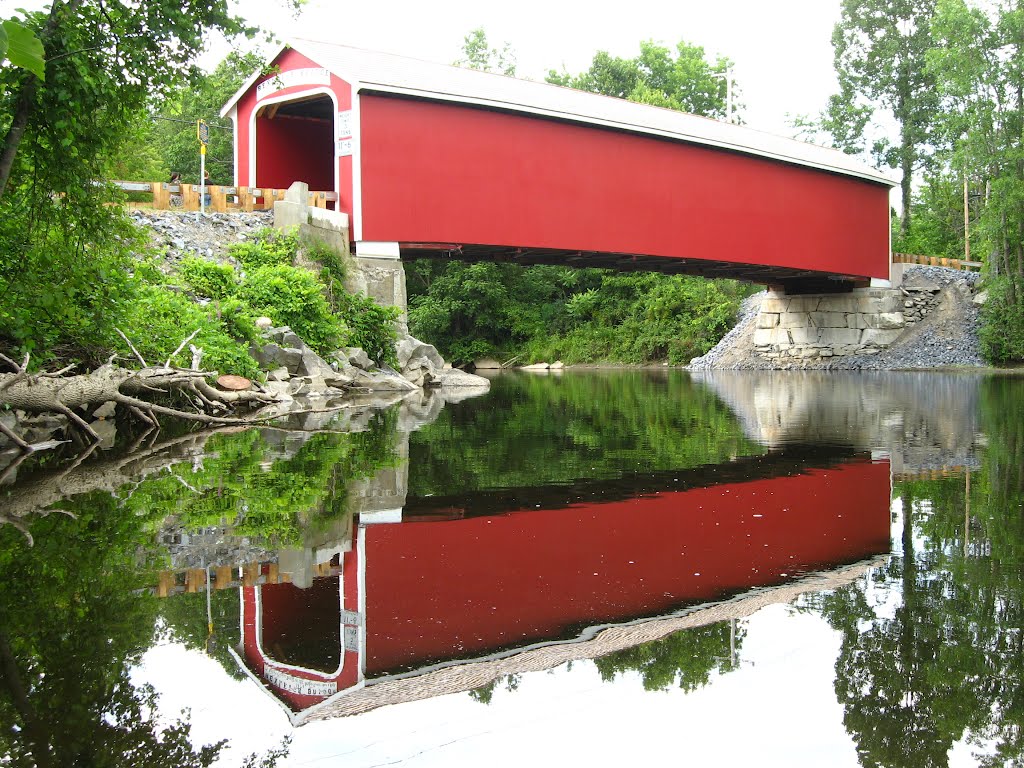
189	122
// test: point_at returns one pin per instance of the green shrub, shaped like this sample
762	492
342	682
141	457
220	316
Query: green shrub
369	326
267	248
161	318
62	292
208	278
293	296
1002	325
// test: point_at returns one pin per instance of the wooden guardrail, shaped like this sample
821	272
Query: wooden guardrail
174	582
185	197
935	261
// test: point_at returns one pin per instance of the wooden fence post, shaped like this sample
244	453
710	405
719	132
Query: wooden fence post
245	200
223	577
190	197
218	199
161	196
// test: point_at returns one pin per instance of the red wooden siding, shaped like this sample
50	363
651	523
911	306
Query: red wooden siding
436	172
468	587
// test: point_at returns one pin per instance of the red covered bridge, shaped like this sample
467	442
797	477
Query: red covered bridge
428	159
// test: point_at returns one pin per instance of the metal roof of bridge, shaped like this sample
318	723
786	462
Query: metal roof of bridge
380	72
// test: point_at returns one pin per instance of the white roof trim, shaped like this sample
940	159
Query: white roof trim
371	71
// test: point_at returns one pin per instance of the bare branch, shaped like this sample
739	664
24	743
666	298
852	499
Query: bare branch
132	347
180	347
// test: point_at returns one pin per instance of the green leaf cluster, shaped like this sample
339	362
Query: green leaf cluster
682	79
293	296
477	54
267	248
469	311
1002	329
159	318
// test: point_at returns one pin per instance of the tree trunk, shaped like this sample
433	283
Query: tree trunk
27	95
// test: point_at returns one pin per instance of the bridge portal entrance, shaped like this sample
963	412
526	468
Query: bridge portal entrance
294	141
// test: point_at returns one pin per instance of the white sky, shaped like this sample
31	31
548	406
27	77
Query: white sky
781	49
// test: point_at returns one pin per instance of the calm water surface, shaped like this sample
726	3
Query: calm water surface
596	567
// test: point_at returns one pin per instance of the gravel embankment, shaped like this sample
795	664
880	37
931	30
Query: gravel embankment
945	336
191	234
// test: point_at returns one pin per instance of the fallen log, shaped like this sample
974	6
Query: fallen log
137	390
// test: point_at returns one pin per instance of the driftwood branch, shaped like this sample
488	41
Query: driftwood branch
71	395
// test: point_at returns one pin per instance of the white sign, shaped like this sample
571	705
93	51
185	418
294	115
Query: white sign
344	124
294	684
291	78
343	147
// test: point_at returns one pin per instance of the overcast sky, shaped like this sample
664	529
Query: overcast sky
782	49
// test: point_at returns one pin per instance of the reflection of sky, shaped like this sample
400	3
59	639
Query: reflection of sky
779	710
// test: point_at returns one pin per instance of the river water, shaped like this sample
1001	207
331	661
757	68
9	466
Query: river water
593	567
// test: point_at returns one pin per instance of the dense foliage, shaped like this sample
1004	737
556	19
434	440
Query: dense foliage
686	81
172	129
70	272
469	311
946	76
66	255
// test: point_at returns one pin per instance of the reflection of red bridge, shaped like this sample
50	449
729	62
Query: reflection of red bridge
417	596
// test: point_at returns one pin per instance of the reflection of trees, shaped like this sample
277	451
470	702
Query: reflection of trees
71	625
186	622
73	619
684	659
947	660
557	430
275	500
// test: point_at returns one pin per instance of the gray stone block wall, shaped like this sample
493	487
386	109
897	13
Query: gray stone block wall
864	321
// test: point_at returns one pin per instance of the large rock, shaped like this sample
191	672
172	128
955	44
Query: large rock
457	378
383	381
355	356
420	364
271	356
487	364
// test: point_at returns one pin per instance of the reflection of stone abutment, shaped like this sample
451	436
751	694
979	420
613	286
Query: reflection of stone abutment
923	420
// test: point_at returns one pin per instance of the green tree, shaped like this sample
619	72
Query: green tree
683	660
66	268
685	81
880	59
477	54
978	64
201	97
